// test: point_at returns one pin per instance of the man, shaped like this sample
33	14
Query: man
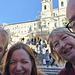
70	14
3	43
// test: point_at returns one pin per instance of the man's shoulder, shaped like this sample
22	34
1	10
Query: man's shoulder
62	71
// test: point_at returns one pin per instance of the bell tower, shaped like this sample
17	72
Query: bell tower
62	3
61	11
46	17
46	7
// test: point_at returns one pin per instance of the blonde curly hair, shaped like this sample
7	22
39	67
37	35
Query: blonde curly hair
57	32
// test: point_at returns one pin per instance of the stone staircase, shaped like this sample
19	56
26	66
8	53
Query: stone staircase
50	70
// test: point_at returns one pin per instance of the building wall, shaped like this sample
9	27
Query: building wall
46	22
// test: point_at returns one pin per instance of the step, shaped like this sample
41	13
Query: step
50	70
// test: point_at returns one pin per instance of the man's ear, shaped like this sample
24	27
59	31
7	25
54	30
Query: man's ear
4	53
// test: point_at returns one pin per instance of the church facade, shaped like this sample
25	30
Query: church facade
49	19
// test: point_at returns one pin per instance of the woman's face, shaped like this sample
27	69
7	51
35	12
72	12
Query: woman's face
20	63
64	45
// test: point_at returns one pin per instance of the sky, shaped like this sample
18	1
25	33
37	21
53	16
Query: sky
16	11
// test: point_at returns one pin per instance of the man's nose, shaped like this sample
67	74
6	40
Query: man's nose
18	67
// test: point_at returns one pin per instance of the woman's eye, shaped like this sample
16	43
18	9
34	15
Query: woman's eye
13	62
24	62
56	44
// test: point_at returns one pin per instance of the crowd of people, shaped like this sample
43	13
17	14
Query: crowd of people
39	43
19	59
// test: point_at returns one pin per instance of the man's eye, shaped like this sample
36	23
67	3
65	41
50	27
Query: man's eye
1	49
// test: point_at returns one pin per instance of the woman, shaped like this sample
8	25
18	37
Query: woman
20	60
62	45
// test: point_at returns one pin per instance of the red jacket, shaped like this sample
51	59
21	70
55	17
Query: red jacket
63	71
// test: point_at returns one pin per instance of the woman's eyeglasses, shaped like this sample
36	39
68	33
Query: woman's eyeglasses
71	26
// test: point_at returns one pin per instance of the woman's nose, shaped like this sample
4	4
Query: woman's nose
62	44
18	67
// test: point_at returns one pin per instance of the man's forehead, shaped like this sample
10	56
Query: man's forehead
71	2
70	11
2	34
2	37
72	18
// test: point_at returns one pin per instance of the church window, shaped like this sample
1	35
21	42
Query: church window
55	24
62	4
53	14
39	23
34	28
45	7
48	23
34	24
44	25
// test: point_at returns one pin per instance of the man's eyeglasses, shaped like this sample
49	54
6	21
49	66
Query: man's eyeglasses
71	26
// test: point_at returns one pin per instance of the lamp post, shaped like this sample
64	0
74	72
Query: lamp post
40	15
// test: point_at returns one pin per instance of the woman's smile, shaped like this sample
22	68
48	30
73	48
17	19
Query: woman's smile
68	50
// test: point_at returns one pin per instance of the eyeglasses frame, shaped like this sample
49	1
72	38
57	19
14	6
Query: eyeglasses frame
68	27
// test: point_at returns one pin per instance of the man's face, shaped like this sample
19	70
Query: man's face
70	12
2	43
